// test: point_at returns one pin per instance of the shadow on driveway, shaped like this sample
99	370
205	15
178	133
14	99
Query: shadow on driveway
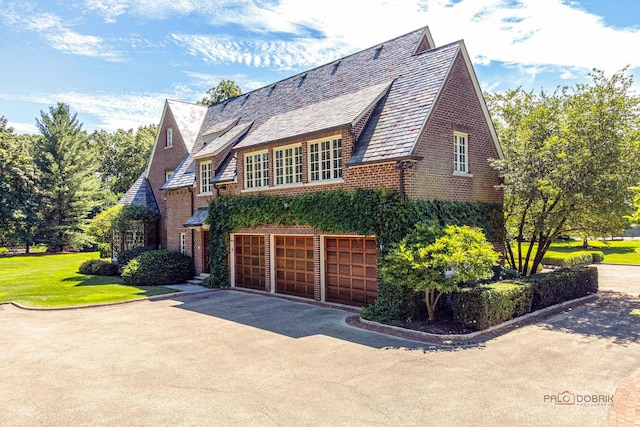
608	317
295	320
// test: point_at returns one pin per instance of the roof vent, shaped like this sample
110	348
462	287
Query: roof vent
377	52
302	79
246	98
335	67
271	90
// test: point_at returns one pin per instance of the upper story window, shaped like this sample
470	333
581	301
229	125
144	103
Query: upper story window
169	143
460	152
167	175
256	170
325	160
288	165
205	178
183	243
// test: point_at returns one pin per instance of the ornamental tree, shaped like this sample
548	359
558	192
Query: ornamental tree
436	261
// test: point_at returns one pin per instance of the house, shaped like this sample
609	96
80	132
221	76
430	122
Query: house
405	114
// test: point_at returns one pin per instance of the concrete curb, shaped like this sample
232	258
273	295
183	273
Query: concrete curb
108	304
453	339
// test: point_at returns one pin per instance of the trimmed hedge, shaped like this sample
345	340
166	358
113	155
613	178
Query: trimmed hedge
98	267
155	268
562	285
487	305
575	258
128	254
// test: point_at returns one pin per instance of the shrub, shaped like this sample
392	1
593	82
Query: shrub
99	267
128	254
105	250
4	251
562	285
597	256
161	267
488	305
575	258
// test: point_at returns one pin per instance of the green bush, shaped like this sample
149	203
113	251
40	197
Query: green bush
154	268
562	285
597	256
575	258
105	250
128	254
484	306
4	250
99	267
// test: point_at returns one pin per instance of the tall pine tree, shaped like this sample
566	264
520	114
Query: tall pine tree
67	180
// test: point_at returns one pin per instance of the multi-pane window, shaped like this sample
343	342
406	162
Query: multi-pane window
460	153
183	243
256	170
288	165
325	160
167	175
169	138
205	178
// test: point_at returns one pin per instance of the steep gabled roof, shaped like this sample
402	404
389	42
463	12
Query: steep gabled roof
140	194
218	144
399	79
188	118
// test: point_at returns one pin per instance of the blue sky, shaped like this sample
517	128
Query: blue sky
116	61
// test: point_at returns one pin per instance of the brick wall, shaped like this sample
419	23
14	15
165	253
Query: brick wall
457	109
165	160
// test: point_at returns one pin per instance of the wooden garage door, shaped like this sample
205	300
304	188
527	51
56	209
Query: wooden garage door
351	275
249	262
294	265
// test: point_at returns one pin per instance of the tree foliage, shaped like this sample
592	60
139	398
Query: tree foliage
67	180
570	157
18	197
435	261
122	156
226	89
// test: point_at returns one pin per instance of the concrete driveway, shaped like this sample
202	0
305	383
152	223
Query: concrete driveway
231	358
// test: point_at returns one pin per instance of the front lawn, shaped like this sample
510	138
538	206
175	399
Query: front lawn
54	281
615	251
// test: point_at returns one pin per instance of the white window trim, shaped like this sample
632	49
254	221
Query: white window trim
309	171
275	170
209	185
169	137
167	175
183	243
261	187
456	171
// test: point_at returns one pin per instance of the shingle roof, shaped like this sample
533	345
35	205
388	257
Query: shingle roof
328	114
198	218
183	176
220	127
220	143
188	117
140	194
227	170
330	94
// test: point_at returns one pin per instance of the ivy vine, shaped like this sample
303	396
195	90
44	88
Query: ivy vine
383	213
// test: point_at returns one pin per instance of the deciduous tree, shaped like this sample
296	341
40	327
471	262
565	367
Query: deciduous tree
226	89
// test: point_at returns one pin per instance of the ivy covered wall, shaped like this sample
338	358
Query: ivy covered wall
383	213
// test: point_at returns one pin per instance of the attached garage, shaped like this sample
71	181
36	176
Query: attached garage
294	272
351	275
250	262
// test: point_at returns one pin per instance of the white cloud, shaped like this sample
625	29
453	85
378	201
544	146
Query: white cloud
206	81
550	34
106	110
56	32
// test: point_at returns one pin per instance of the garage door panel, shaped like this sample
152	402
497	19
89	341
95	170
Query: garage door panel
294	266
249	262
351	270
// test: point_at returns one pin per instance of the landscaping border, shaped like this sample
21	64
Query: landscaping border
471	338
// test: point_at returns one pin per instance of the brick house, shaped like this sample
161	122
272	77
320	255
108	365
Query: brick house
404	114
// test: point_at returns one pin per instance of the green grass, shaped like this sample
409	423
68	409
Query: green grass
54	281
615	251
